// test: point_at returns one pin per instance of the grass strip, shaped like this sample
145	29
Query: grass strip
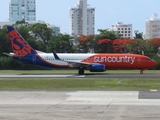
71	71
79	83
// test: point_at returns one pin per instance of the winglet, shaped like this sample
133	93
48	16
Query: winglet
55	55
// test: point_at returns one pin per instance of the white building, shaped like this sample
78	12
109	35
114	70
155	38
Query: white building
2	24
153	27
56	29
82	19
123	29
22	10
5	23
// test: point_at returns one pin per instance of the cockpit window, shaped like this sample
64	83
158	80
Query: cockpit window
148	59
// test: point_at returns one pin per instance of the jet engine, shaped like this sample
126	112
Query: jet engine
97	68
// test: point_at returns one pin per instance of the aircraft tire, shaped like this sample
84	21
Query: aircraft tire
141	72
81	71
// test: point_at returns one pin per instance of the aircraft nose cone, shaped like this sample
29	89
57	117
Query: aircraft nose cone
155	63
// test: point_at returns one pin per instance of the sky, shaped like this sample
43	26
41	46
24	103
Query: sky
107	13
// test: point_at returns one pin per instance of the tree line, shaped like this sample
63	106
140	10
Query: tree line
42	38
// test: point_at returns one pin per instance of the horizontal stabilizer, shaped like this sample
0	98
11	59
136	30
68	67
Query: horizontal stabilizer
12	55
8	54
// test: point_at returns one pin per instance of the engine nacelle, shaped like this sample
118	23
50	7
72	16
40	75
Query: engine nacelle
97	68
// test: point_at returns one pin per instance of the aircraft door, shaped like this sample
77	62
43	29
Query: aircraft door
139	60
34	59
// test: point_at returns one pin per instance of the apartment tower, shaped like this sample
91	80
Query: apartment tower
22	10
125	30
153	27
82	19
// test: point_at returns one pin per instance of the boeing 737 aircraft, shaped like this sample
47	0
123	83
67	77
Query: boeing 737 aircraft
23	52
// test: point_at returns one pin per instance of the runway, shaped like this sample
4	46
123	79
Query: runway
145	75
79	105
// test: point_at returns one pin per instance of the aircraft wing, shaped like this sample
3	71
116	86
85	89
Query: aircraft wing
78	64
73	63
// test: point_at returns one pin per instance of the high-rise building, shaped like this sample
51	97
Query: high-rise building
55	29
153	27
125	30
22	10
82	19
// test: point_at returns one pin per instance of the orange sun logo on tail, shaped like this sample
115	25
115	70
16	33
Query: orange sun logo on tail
19	45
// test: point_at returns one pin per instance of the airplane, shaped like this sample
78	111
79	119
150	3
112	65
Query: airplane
94	62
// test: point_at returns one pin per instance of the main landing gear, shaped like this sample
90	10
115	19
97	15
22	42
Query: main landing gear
141	72
81	71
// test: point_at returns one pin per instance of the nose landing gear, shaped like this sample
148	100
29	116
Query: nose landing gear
141	72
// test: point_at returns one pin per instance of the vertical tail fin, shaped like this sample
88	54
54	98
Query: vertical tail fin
19	45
